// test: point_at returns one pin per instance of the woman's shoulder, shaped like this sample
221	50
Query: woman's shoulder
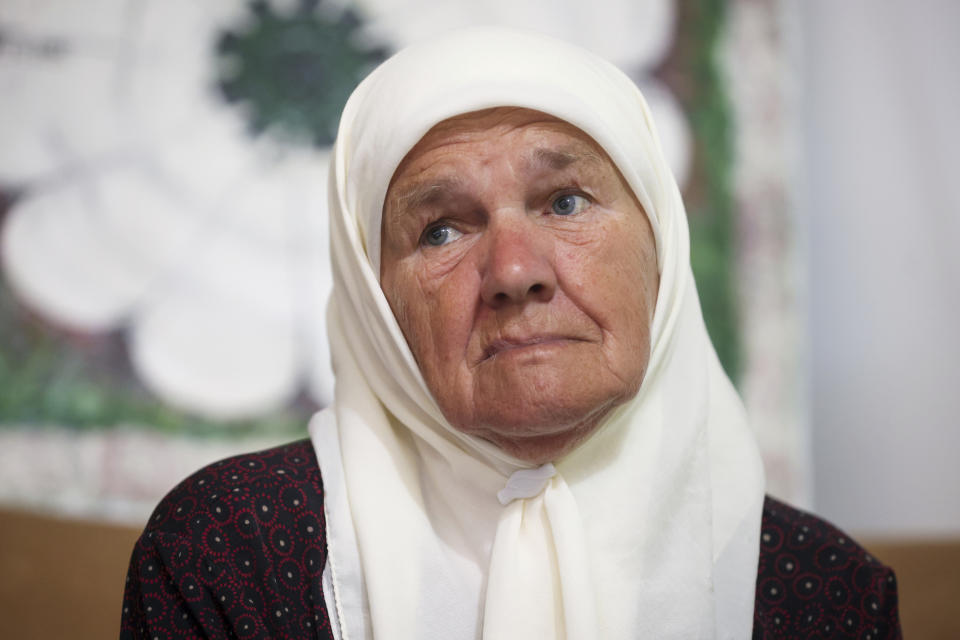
239	545
815	580
265	485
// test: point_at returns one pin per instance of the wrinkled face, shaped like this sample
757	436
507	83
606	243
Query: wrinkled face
523	274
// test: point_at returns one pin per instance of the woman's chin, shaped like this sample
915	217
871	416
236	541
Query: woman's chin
538	436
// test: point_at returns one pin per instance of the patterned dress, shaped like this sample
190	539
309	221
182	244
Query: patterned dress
237	551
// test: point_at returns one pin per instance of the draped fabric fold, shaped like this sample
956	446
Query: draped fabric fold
650	528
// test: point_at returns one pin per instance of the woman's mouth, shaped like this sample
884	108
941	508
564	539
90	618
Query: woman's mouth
503	345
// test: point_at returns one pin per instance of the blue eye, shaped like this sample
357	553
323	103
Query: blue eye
569	204
439	235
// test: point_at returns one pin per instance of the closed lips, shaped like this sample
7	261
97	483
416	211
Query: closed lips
508	344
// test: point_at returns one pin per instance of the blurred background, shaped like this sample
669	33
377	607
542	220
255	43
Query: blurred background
163	258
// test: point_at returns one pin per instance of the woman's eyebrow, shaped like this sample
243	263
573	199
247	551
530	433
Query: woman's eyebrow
421	194
559	159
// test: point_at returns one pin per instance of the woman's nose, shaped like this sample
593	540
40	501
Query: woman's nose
518	265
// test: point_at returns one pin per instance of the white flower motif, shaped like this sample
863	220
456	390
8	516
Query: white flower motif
144	202
630	34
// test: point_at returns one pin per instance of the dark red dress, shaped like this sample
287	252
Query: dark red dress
237	550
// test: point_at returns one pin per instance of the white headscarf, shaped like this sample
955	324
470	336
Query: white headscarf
649	529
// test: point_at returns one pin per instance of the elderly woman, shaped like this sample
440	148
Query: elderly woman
532	436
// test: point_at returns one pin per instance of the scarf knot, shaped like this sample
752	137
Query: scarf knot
526	483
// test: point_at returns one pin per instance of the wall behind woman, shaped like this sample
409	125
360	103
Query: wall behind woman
882	215
163	260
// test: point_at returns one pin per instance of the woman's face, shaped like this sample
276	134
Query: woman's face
523	273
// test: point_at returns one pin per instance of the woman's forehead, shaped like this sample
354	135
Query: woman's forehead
551	141
491	118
